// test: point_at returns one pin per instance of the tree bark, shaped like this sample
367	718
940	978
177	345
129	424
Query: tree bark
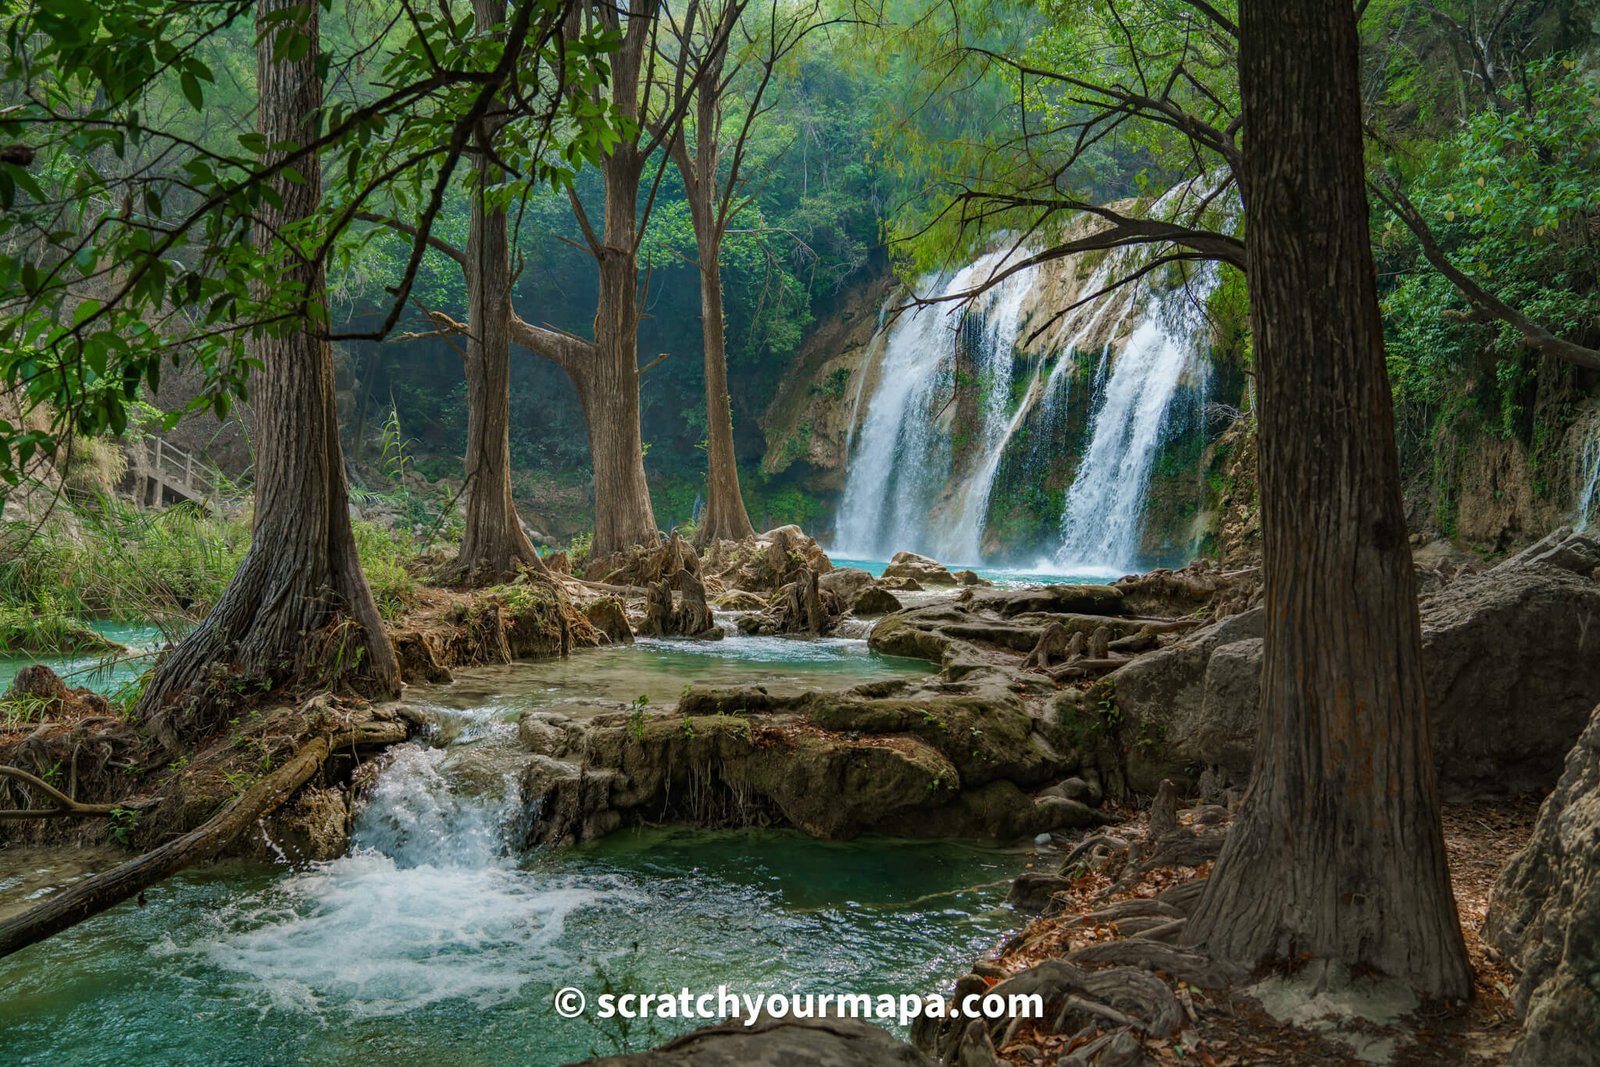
493	543
605	371
299	610
1337	853
711	199
725	517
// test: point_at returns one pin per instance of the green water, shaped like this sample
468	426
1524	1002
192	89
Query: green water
1004	577
435	942
456	963
101	673
609	679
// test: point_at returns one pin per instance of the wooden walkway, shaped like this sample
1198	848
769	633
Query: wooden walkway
162	472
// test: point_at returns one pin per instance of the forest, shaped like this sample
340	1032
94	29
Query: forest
800	531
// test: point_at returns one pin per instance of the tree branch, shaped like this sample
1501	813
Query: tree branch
1486	306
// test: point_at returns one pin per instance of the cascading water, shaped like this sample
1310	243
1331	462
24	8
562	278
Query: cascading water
1589	478
900	462
906	489
437	940
1101	523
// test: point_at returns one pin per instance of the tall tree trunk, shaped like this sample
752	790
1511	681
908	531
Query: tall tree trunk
493	544
725	517
608	385
1337	852
299	611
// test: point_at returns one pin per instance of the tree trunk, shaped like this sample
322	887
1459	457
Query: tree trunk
608	385
1337	853
299	611
493	543
725	517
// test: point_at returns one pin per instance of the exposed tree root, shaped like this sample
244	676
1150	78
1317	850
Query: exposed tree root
64	805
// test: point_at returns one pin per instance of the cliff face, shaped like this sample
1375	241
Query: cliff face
812	416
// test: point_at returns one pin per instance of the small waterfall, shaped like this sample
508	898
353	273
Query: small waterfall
1101	524
1588	478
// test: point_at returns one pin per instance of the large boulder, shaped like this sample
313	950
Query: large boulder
875	601
919	568
922	762
1511	660
1545	918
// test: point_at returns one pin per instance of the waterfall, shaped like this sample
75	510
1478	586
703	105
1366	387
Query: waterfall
1588	477
900	462
917	479
1101	523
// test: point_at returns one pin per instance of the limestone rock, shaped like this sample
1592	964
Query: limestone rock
1511	659
875	601
1545	917
314	827
846	583
919	568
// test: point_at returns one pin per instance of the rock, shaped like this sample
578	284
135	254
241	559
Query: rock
778	1043
1050	599
607	616
971	578
875	601
1063	814
1545	917
901	585
1099	643
898	635
1511	660
312	828
918	568
1077	789
846	583
1226	734
920	763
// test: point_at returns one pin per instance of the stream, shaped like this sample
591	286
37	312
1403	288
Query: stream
437	941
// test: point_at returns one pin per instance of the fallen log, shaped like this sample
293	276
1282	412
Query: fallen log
103	891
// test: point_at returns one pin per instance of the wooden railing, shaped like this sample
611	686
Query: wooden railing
161	468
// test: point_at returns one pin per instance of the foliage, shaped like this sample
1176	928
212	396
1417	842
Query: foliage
125	237
102	557
1514	200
